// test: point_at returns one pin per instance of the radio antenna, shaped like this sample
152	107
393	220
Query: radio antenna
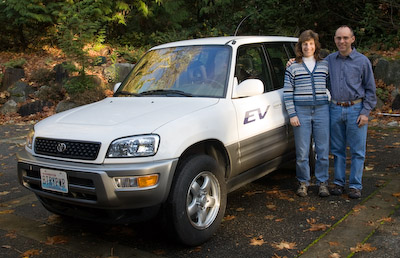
237	29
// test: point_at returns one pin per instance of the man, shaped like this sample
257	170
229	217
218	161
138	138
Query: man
352	87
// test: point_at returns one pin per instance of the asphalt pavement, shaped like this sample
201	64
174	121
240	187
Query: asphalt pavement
263	219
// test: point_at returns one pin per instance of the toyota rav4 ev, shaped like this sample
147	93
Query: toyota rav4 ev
193	120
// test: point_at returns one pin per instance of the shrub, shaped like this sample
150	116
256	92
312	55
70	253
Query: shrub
15	63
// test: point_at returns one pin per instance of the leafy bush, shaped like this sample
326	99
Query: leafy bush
79	84
131	55
15	63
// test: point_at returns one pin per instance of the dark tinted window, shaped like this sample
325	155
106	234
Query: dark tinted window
278	59
251	64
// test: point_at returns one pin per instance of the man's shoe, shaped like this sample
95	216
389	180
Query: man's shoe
354	193
337	190
302	190
323	190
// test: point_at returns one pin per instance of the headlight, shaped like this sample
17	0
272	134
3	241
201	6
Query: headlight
135	146
29	139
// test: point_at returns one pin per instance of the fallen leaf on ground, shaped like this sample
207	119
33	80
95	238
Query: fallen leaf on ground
271	207
257	241
396	195
160	252
12	234
30	253
251	193
56	240
4	193
270	217
229	217
334	255
240	209
362	247
387	219
284	245
358	208
334	243
317	227
6	211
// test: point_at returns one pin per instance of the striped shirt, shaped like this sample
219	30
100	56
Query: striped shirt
305	88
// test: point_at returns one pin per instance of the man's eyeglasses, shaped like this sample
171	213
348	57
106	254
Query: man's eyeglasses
345	38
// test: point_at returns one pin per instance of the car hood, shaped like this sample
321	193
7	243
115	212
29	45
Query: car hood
119	117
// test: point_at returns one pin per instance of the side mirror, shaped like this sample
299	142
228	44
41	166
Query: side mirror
248	88
116	86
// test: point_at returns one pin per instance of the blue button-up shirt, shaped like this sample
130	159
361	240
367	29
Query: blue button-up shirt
352	78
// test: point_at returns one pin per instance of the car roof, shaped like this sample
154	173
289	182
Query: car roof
227	40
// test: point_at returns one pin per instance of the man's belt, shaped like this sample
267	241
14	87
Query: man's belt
346	103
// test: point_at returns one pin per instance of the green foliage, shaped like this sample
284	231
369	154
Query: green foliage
82	23
142	23
84	89
79	84
15	63
130	54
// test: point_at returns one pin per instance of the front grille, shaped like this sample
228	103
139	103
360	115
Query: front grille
67	148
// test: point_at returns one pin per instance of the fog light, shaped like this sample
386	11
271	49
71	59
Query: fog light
123	182
136	182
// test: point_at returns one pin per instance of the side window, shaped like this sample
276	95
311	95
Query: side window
251	64
278	58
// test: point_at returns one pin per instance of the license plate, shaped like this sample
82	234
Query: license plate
54	180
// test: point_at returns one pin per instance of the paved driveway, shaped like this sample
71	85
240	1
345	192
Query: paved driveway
263	219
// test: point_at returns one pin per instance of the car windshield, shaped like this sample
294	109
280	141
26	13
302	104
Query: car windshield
190	71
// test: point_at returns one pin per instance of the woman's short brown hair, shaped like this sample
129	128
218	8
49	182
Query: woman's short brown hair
305	36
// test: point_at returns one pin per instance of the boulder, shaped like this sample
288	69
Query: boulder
9	107
61	73
20	91
33	107
388	72
396	103
11	75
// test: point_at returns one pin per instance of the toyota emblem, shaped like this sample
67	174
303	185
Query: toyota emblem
61	147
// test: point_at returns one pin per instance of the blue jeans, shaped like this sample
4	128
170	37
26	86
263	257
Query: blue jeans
345	131
314	122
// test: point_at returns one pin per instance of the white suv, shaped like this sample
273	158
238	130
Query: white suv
194	120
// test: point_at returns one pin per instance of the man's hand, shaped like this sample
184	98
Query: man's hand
294	121
290	62
362	120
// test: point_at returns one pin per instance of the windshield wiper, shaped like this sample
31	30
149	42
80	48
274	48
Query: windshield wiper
166	92
127	93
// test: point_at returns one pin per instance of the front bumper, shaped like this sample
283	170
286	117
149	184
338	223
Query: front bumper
92	186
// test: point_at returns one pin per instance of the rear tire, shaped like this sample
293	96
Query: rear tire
197	200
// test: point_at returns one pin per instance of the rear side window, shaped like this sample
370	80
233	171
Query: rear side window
251	64
278	58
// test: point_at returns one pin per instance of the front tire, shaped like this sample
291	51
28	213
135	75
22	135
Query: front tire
197	201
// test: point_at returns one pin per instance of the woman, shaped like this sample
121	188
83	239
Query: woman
306	100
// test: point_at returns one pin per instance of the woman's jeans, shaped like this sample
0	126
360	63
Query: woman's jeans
345	131
314	122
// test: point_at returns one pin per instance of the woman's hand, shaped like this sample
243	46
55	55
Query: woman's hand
294	121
